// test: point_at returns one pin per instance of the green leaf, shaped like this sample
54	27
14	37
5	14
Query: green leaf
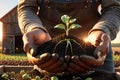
88	78
54	78
37	78
72	21
26	76
60	26
22	72
5	75
75	26
65	18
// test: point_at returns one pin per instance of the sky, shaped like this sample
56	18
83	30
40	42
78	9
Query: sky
7	5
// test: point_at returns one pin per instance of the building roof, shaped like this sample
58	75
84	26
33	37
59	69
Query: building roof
1	19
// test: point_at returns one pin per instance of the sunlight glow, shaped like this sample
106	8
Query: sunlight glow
0	31
117	39
86	40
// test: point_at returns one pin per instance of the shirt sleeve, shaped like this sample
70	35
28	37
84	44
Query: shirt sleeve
27	16
110	19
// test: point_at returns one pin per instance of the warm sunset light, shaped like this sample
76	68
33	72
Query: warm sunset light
0	31
86	39
117	39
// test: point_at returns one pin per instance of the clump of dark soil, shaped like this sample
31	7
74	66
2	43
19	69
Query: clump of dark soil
78	46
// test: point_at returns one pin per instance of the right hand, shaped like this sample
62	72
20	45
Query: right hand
49	62
52	63
33	39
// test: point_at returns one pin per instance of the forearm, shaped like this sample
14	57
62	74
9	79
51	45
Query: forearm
110	20
27	15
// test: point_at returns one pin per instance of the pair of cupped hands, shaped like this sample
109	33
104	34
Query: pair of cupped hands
53	63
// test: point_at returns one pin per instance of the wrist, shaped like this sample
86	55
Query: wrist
37	28
96	30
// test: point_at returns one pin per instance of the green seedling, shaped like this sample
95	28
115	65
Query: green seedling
54	78
67	25
5	75
26	77
37	78
22	72
13	72
88	78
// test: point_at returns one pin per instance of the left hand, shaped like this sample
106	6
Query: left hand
78	66
101	40
84	63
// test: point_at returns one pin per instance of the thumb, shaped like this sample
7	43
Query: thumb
29	46
97	53
103	47
33	51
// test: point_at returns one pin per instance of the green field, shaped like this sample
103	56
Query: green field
117	58
24	57
16	56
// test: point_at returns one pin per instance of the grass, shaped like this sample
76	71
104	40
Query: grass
16	56
22	56
116	57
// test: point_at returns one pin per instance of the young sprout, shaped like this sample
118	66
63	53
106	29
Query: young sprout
26	77
22	72
13	72
89	78
37	78
67	24
54	78
4	75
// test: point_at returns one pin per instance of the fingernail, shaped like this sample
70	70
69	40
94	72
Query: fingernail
32	52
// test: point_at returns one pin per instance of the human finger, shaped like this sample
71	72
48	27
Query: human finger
59	62
44	57
77	61
67	58
75	68
60	69
103	48
27	42
51	61
91	61
31	59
